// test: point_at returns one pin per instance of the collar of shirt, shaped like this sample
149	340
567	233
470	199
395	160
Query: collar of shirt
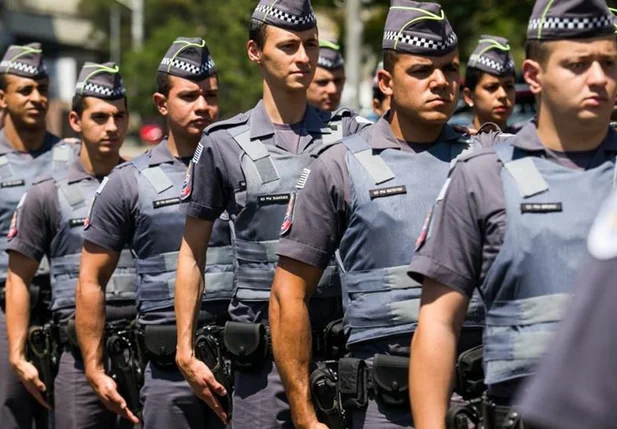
160	154
6	147
383	138
527	139
77	172
262	126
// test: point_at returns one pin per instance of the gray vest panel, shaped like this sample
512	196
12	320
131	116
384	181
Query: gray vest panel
550	209
158	234
392	192
17	173
271	175
65	250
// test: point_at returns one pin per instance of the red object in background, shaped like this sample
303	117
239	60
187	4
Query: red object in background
151	133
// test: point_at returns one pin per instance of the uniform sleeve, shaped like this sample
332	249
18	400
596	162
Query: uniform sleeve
451	250
207	178
111	221
318	216
575	384
36	221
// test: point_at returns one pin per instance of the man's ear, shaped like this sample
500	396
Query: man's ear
384	80
532	73
2	99
75	122
467	97
253	52
160	101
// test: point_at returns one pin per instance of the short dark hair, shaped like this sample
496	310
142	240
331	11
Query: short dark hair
474	75
257	32
390	58
538	51
78	104
378	94
2	82
163	83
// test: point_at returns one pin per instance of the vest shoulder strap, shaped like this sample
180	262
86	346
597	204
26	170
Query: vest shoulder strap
157	178
257	152
528	178
374	165
72	193
62	154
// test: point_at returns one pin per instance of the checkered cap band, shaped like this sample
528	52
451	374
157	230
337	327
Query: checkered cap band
205	68
498	66
420	42
286	17
327	63
94	89
581	24
17	66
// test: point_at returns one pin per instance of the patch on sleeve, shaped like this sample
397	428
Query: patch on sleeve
197	154
289	214
88	219
187	185
13	227
602	240
425	230
303	178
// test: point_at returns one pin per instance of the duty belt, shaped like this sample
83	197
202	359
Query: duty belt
499	416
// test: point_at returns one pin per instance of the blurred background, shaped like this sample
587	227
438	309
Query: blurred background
137	33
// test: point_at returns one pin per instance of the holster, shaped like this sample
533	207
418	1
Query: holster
334	340
247	344
158	344
352	383
462	416
325	396
209	349
390	379
470	374
499	417
44	353
126	366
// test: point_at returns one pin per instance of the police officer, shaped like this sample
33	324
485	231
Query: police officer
249	165
574	386
515	217
138	208
490	83
50	222
27	151
368	197
328	83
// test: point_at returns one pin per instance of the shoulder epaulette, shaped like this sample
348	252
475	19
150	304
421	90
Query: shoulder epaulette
42	179
239	119
477	153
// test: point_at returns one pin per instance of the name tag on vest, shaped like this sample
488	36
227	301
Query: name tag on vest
77	222
387	192
541	207
166	202
12	183
267	200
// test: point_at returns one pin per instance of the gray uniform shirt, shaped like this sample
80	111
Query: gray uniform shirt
217	172
321	208
468	226
114	214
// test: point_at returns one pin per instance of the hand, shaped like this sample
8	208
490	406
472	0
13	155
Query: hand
106	389
29	376
203	383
